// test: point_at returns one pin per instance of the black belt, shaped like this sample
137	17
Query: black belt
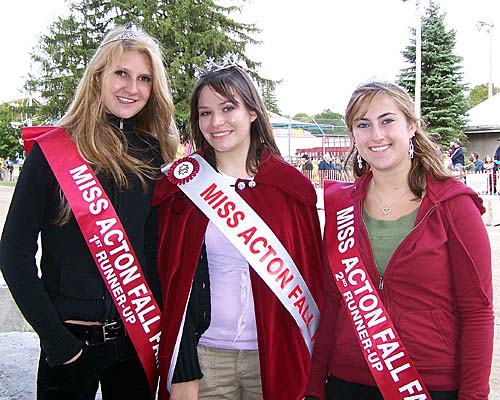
95	334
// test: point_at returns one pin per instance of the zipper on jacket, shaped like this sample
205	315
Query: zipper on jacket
423	218
381	283
121	124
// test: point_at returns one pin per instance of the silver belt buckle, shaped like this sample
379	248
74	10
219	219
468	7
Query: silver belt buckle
105	330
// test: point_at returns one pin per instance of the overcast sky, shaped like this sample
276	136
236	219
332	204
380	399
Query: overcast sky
321	49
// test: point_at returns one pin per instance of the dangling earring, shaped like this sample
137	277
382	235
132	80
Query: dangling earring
358	158
411	149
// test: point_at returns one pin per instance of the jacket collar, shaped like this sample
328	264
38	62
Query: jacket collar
123	124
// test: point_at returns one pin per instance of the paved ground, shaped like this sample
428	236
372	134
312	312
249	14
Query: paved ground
19	346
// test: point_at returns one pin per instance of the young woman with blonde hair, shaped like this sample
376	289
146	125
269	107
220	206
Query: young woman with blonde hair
118	131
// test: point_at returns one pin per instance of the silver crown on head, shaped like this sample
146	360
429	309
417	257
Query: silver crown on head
130	34
211	65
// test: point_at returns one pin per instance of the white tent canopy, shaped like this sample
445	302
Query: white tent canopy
486	115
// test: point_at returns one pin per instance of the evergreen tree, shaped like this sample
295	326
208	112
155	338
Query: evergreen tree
443	102
63	53
269	98
190	31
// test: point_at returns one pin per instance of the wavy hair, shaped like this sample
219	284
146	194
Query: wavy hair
427	156
86	120
228	83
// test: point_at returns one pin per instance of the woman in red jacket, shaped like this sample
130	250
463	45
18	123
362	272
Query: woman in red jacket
240	254
411	260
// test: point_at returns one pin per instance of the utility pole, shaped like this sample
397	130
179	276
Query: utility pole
418	58
488	27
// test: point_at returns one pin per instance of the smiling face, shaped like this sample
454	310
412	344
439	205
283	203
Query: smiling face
225	124
382	135
126	86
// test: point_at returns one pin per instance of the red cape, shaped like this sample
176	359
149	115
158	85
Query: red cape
286	200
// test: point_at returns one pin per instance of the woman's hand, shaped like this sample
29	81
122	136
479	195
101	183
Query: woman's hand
185	391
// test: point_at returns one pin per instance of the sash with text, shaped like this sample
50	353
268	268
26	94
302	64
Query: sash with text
387	358
251	236
107	241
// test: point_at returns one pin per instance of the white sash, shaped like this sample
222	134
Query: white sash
243	227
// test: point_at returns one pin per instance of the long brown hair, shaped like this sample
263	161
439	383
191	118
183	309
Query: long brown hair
427	156
229	82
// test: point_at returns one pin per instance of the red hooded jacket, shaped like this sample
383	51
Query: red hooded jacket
286	200
437	290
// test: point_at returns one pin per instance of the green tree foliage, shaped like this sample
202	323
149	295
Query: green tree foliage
479	93
443	103
63	53
10	132
326	123
327	115
303	117
334	119
269	97
190	31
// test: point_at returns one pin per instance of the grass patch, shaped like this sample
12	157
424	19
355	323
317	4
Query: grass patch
8	183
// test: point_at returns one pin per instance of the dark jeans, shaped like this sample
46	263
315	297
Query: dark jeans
342	390
114	364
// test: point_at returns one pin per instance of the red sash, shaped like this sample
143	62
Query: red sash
107	241
387	358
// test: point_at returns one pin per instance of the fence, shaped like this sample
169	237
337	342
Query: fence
317	177
486	182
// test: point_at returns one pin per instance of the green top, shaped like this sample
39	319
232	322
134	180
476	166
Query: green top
385	236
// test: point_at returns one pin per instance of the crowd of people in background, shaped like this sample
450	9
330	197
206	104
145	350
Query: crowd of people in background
10	167
454	159
474	163
324	167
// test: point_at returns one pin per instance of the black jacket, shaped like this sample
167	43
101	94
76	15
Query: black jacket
70	286
197	321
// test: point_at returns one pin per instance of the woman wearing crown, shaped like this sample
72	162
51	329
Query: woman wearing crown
86	188
239	254
413	314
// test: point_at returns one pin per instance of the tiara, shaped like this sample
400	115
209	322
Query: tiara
211	65
130	34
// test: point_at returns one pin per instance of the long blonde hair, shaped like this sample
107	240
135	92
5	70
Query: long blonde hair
86	120
426	158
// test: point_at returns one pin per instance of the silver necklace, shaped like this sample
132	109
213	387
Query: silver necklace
387	208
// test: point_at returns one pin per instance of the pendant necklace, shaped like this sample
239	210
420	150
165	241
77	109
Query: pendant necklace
387	208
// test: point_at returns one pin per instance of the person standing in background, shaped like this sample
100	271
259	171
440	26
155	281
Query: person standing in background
477	163
457	154
497	152
496	157
306	163
489	168
326	163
